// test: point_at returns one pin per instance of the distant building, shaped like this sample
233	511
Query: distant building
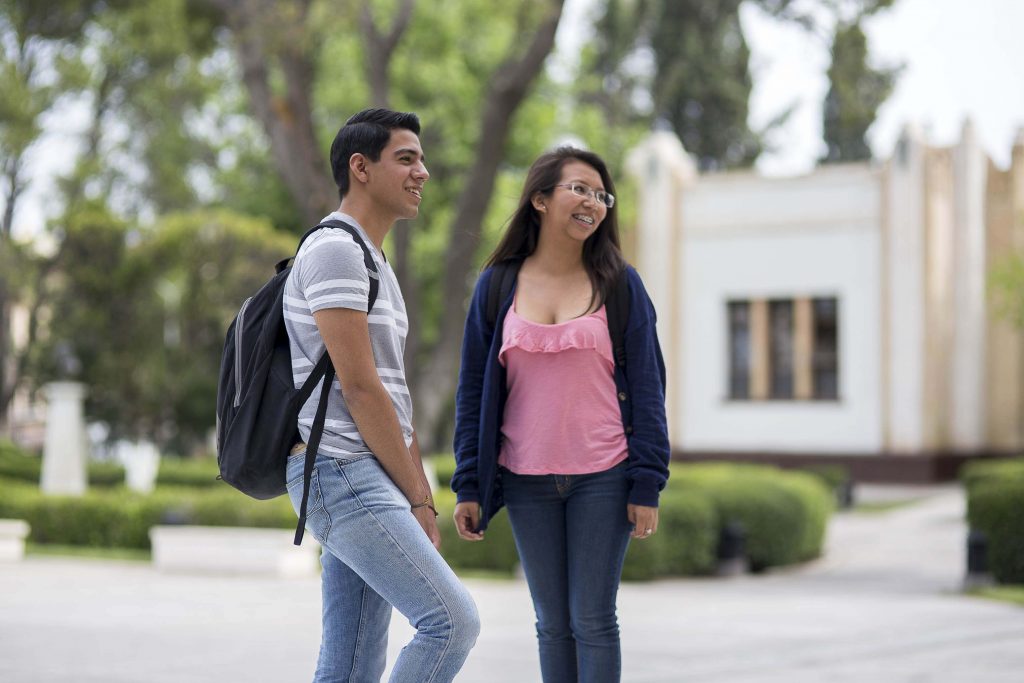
837	316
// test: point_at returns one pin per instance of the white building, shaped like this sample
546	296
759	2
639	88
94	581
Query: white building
840	314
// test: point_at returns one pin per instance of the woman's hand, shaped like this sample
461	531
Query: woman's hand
644	519
467	518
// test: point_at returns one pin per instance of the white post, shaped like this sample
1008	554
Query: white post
141	463
64	451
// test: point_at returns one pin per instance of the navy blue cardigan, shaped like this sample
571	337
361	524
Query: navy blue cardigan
483	388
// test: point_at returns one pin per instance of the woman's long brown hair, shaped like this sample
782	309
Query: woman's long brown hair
602	255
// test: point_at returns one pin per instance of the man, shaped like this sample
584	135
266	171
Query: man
369	501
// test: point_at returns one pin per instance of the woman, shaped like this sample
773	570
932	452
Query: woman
548	424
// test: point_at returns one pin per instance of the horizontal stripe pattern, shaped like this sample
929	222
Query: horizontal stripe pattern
329	272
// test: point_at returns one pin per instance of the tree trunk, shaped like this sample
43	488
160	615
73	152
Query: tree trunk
436	379
267	31
379	49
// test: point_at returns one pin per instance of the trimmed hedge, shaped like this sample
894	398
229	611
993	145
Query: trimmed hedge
196	472
785	514
120	518
979	471
995	506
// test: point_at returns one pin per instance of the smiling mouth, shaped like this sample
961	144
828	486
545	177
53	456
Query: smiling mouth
589	220
416	192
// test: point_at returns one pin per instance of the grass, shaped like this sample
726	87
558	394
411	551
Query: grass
50	550
879	506
1013	594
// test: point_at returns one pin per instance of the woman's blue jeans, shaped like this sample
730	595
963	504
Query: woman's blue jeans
572	533
375	555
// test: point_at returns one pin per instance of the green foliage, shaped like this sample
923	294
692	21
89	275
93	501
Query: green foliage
146	323
784	513
1006	288
856	91
497	552
995	506
19	466
119	518
983	471
700	82
189	472
685	543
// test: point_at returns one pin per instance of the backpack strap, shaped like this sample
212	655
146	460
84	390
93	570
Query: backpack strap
503	279
324	369
617	308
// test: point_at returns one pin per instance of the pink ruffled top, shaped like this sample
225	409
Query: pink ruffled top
562	414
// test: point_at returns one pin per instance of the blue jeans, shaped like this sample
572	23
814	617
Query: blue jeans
572	533
375	555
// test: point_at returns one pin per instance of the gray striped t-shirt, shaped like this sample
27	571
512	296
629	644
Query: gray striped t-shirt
329	273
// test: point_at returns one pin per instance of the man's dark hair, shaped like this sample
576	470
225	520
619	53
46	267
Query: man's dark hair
366	133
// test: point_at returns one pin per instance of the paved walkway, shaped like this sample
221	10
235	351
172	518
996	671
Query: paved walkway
882	606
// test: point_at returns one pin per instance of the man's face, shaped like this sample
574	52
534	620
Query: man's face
395	182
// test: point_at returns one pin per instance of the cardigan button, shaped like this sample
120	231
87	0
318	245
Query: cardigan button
622	395
629	429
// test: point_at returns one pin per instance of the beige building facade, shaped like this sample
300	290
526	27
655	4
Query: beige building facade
843	313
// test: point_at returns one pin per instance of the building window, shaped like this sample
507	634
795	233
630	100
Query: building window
783	349
739	349
780	349
825	357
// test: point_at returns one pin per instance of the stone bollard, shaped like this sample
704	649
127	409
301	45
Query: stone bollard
13	533
64	450
141	461
977	575
732	550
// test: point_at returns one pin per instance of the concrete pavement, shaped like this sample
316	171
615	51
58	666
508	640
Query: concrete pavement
882	606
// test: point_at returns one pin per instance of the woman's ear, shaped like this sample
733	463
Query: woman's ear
538	202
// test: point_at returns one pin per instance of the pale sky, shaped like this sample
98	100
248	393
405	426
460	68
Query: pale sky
962	58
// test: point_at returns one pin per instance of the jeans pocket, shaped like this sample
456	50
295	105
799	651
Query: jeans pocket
315	501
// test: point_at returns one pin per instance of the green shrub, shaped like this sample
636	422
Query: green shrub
444	467
22	466
833	476
685	543
497	552
195	472
979	471
996	508
103	474
17	464
119	518
784	513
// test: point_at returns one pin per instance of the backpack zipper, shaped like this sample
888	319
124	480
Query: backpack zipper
238	352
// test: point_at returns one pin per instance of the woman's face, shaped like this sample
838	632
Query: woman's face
573	215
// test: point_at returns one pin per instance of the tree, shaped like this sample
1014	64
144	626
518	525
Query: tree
856	91
273	37
34	76
145	323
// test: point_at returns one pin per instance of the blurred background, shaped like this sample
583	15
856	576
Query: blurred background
825	198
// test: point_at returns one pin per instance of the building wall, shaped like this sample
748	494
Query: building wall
925	366
748	238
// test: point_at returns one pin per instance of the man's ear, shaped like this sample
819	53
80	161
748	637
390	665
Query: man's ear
357	166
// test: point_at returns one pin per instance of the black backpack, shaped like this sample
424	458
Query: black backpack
257	402
617	305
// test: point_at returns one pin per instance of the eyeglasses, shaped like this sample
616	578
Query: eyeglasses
581	190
